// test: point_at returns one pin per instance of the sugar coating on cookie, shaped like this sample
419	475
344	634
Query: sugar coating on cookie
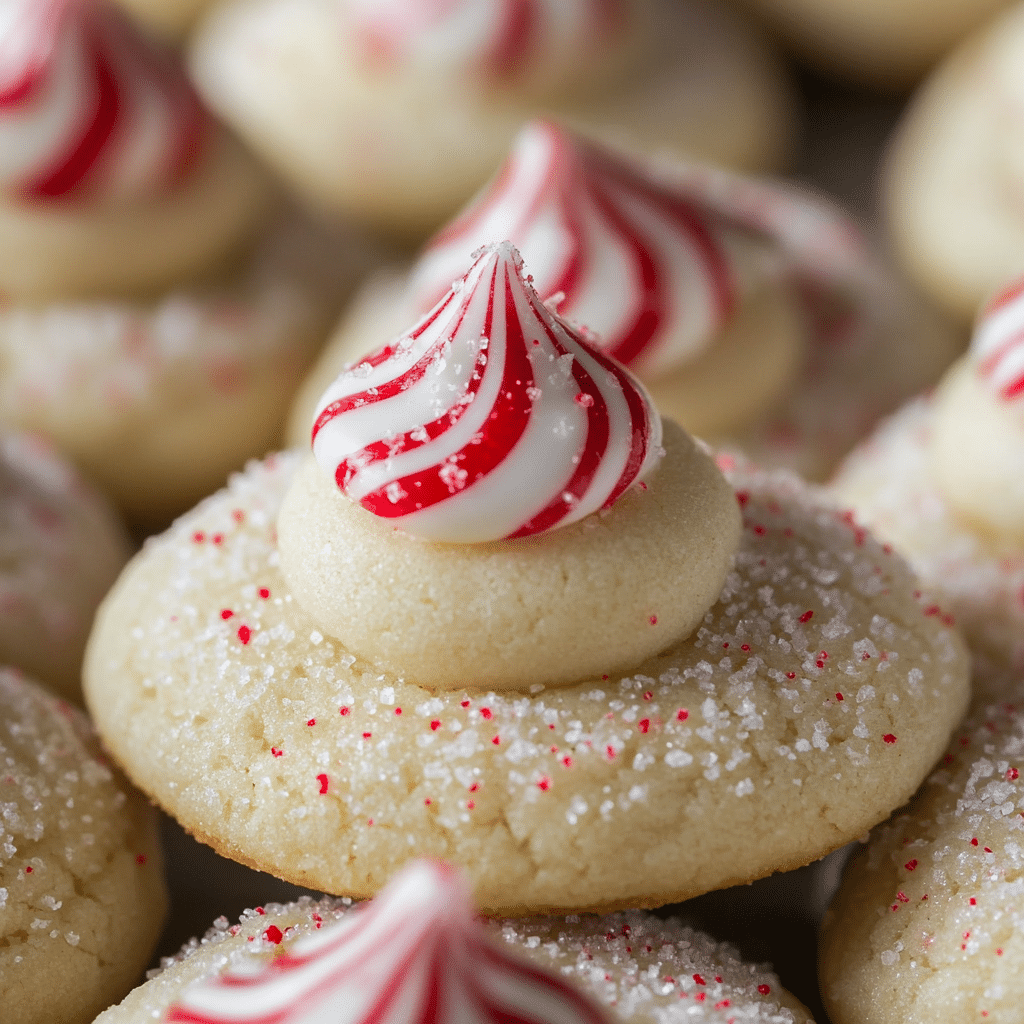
61	548
928	925
635	966
889	482
82	896
821	684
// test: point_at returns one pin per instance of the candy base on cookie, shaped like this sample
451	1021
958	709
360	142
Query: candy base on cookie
819	683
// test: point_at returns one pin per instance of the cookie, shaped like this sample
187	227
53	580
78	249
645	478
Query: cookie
630	966
415	105
146	330
819	681
941	481
954	167
927	925
755	313
61	548
82	896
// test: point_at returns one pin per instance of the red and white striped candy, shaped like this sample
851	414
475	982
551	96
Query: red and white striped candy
654	263
491	418
88	106
415	955
997	347
496	40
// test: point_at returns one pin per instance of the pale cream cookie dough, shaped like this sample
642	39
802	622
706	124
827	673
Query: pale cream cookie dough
955	170
928	926
82	896
882	44
157	317
941	481
755	312
632	966
395	114
61	548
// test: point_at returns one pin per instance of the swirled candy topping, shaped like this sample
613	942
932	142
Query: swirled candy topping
510	41
414	955
997	348
88	106
651	272
491	418
654	262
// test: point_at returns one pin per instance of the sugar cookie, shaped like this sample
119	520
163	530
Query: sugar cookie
415	104
819	680
927	926
955	168
752	311
942	481
61	548
136	335
630	966
82	896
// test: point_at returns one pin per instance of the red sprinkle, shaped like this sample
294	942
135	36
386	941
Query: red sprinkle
910	865
807	616
344	710
653	620
199	536
238	515
974	841
610	752
496	740
644	724
682	715
398	711
29	869
435	725
276	752
273	934
487	713
544	783
973	902
312	721
839	696
1012	773
140	859
226	613
465	703
367	735
764	989
700	981
264	593
244	634
889	738
324	782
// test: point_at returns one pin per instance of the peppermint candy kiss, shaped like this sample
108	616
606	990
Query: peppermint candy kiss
414	955
500	40
491	418
997	347
87	105
652	272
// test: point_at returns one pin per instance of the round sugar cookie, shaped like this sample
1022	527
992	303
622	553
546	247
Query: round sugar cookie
637	967
819	686
889	482
953	180
400	140
928	925
61	548
158	401
82	895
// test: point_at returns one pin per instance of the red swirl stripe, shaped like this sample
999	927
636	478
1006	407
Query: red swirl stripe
997	347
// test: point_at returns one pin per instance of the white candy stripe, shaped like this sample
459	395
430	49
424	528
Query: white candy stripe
653	274
415	955
88	105
489	39
997	347
491	418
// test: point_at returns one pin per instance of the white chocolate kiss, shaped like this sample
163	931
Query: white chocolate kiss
492	418
88	105
545	44
653	272
977	442
414	955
